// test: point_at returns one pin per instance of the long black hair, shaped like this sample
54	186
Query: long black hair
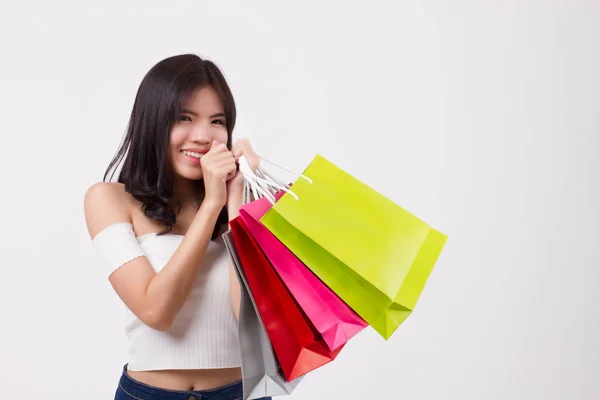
146	172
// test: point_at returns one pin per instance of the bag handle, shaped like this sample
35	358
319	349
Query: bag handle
262	184
250	183
252	180
286	169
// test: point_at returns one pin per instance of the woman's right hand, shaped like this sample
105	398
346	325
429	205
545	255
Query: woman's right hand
218	166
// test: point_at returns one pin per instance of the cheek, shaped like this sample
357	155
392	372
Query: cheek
221	135
176	138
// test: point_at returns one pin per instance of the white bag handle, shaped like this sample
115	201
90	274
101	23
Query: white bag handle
262	183
250	182
246	193
288	170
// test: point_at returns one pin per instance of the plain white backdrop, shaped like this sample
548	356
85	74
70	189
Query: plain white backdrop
480	117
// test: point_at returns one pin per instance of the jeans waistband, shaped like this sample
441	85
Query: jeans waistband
142	391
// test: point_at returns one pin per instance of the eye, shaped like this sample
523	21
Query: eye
219	122
185	118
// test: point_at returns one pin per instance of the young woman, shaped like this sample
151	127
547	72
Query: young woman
157	232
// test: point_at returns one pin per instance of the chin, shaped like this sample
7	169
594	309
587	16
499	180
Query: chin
189	175
193	177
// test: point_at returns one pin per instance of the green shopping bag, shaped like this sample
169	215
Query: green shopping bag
371	252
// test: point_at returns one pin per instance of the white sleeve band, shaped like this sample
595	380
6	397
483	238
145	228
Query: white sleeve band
115	245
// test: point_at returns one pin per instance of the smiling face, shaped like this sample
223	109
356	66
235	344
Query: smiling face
202	120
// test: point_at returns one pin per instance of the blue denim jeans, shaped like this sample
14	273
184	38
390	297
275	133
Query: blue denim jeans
130	389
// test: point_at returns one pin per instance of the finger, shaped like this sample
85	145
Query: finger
227	167
217	147
224	163
238	152
230	175
242	143
219	157
232	172
220	148
227	162
237	147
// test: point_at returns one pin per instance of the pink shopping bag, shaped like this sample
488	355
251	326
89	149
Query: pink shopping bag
334	320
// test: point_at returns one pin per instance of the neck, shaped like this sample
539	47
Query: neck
187	192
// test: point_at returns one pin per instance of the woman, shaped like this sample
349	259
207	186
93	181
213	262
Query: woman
157	231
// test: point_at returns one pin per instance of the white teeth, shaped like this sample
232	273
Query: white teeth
189	153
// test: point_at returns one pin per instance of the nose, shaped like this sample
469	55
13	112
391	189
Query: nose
200	133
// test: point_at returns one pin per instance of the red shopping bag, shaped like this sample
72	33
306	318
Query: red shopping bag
297	345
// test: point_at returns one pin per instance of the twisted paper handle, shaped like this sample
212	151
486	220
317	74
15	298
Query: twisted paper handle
262	184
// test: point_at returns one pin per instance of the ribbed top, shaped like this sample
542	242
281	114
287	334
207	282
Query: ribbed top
204	333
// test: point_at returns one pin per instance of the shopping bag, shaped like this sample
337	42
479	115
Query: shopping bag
332	318
261	376
297	345
371	252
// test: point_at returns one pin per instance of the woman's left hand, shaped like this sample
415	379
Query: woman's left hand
242	147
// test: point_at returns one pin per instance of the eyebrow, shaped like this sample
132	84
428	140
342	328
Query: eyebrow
186	111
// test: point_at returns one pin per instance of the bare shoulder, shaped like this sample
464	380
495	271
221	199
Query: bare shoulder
106	203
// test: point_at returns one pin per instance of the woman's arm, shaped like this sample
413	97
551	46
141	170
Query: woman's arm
234	203
155	298
235	189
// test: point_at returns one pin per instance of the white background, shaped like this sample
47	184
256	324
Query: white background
480	117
